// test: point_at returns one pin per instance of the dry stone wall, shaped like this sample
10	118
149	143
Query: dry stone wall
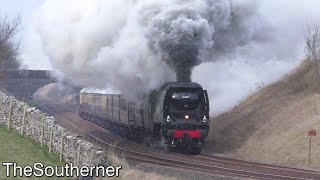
37	123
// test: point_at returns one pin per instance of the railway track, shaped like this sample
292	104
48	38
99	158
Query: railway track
204	163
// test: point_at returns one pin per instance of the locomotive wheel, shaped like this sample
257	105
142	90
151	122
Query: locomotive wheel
148	141
196	150
171	149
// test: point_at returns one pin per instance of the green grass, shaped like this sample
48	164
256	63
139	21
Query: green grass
24	151
30	103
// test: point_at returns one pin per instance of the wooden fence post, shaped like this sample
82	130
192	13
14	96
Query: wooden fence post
23	118
62	141
79	153
309	155
42	130
311	133
51	139
10	112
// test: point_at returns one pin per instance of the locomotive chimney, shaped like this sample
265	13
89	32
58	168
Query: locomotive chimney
183	75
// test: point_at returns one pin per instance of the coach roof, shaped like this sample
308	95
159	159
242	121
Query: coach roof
99	91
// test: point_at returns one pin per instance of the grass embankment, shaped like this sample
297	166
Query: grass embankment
271	125
24	151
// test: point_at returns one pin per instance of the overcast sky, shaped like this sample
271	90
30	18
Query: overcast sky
15	7
279	11
25	7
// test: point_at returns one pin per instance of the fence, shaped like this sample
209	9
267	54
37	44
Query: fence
33	123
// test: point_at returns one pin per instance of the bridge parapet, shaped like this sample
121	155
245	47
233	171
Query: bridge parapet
24	83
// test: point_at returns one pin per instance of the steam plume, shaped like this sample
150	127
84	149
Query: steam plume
186	33
179	35
137	45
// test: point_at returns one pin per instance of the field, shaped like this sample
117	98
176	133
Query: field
24	151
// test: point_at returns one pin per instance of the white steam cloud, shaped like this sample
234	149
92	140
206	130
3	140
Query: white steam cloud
137	45
230	46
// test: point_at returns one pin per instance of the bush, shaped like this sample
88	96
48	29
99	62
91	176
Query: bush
9	47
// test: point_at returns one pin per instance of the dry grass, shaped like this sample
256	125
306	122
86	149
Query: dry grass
271	125
134	174
115	159
283	139
128	172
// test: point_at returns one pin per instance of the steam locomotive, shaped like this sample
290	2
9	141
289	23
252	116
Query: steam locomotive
176	114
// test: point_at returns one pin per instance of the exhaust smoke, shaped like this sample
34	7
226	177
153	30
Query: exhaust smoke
228	46
185	34
180	36
137	45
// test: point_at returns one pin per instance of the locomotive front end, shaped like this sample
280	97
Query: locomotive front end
185	117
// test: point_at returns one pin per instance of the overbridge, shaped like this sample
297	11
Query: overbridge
24	83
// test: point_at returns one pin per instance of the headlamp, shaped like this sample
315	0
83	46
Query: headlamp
205	120
168	119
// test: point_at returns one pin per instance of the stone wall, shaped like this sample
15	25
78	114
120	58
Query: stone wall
90	155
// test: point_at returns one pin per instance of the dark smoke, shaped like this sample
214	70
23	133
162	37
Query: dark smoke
179	39
181	55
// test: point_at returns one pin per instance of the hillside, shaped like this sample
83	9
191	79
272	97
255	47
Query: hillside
271	126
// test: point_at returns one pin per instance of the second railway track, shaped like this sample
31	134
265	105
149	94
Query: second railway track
204	163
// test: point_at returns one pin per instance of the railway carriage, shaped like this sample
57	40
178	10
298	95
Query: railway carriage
177	113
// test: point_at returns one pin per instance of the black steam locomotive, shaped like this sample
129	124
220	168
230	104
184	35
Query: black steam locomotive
177	114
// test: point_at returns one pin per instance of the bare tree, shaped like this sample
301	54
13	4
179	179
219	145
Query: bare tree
9	48
312	49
